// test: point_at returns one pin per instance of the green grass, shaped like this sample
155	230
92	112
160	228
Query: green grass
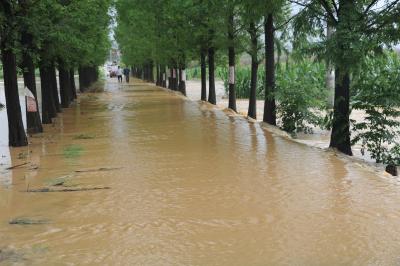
73	151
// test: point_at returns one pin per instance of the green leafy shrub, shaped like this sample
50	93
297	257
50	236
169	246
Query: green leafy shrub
301	96
242	79
377	90
193	73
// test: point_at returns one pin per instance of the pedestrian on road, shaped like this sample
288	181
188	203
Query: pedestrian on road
126	73
119	74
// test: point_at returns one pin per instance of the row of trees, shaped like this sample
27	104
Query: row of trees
50	35
169	34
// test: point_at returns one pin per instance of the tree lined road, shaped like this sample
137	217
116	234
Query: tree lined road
188	185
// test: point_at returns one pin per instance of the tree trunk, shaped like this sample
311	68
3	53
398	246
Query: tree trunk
179	78
211	76
232	63
340	137
54	86
72	82
252	112
330	73
160	75
33	121
170	78
182	79
16	131
158	80
65	85
49	110
87	76
82	84
174	79
203	75
269	105
164	76
151	72
94	75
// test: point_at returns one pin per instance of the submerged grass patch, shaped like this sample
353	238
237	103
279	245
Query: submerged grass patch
73	151
60	181
10	255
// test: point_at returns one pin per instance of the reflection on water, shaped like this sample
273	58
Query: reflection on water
190	186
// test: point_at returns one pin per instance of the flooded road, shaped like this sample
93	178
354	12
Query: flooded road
188	185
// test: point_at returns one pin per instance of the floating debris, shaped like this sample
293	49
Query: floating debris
27	221
84	136
34	167
101	169
58	181
22	155
48	190
2	105
16	166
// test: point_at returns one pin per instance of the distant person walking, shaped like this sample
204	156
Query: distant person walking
119	74
126	73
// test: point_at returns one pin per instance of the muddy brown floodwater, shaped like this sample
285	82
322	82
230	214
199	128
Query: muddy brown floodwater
188	185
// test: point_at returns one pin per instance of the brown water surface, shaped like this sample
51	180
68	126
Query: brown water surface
188	186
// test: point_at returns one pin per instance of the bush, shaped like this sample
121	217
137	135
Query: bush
243	78
193	73
300	93
301	96
377	90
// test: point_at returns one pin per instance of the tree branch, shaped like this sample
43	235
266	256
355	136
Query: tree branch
382	13
373	2
309	6
289	20
335	6
328	10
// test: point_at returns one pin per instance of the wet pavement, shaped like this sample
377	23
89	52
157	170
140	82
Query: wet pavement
140	176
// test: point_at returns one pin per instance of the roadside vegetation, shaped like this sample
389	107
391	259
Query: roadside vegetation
39	37
306	59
